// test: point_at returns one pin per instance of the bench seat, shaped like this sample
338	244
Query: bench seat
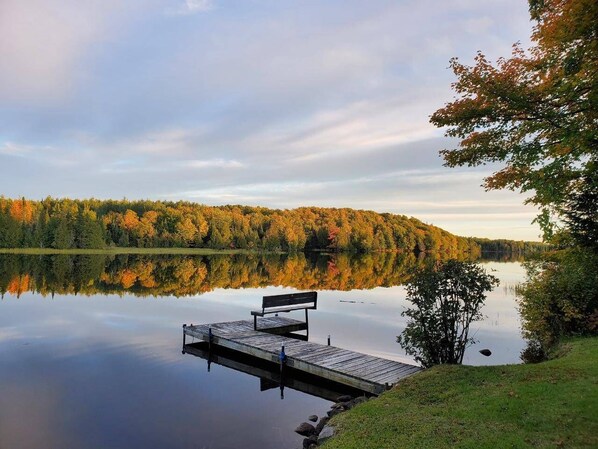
280	309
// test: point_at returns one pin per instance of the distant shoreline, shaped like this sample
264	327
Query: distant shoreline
187	251
124	250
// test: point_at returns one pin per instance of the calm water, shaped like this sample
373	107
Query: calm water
90	347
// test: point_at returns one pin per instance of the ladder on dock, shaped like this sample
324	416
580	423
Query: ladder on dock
364	372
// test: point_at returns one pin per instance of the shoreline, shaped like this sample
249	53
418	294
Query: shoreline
124	250
529	405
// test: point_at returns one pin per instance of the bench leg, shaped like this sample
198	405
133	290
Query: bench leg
306	323
254	322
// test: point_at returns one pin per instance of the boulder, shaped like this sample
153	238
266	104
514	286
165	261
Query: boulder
486	352
344	398
305	429
334	411
313	418
308	442
322	423
327	432
360	400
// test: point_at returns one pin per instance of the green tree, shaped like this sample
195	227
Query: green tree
560	297
536	112
581	212
63	234
88	231
446	299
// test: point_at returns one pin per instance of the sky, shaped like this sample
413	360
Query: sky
273	103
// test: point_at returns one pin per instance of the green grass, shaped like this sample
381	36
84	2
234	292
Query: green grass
553	404
75	251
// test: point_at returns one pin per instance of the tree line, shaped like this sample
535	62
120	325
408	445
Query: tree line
509	248
91	223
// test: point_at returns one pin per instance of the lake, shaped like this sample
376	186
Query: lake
90	346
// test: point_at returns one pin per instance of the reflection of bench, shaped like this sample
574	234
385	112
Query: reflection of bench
286	303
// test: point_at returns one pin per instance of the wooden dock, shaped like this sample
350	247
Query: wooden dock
364	372
269	374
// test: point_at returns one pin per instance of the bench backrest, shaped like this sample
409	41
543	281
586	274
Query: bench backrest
291	299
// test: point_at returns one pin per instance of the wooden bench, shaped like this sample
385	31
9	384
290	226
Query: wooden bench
286	303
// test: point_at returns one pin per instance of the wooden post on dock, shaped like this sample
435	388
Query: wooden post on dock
282	357
184	337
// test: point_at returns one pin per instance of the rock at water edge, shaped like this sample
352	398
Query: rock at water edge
327	432
305	429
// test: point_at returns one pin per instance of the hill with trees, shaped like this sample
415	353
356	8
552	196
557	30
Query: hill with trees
91	223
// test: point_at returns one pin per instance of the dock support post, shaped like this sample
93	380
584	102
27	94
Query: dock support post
282	358
184	337
329	340
210	337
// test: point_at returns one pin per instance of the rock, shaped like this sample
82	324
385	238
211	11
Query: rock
334	411
308	442
486	352
305	429
313	418
322	423
360	400
346	405
327	432
344	398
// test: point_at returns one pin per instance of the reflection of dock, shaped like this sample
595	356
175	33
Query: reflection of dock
269	373
361	371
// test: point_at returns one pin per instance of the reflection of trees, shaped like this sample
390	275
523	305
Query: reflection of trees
171	275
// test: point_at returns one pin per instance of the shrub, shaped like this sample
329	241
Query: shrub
560	296
447	299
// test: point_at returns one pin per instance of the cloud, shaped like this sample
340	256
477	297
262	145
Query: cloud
44	46
211	163
191	7
272	104
46	155
10	149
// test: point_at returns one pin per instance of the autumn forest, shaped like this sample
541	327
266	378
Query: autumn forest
85	224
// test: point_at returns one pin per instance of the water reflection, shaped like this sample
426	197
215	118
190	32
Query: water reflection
269	374
106	369
174	275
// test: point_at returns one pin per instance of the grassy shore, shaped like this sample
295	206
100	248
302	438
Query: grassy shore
75	251
553	404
